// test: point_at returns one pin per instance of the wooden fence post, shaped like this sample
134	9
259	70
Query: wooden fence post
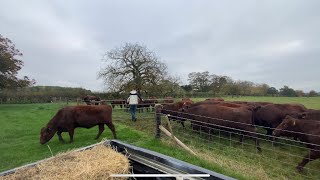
158	108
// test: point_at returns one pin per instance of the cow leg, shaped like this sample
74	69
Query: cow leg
314	154
210	136
241	138
111	127
255	137
71	132
269	133
258	144
60	137
182	123
101	129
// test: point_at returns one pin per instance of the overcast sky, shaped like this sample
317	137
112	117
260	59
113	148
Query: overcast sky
274	42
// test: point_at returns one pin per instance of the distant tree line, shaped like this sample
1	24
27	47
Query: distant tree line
41	94
204	82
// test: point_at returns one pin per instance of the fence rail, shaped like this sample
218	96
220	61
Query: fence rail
201	132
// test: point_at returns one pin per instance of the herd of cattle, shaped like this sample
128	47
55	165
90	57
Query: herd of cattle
290	120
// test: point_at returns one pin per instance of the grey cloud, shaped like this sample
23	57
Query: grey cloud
275	42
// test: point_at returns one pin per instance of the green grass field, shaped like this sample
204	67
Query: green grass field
19	143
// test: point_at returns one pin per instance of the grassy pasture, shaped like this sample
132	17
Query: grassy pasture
19	142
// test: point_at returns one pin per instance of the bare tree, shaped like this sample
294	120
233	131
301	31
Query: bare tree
200	80
218	82
132	66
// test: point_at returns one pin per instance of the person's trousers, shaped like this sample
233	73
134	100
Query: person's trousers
133	109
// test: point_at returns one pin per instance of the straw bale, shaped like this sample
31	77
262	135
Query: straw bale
96	163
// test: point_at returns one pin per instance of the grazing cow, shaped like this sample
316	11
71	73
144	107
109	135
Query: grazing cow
229	117
118	102
306	131
88	99
71	117
271	115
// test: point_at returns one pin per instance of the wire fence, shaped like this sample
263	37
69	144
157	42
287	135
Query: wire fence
233	138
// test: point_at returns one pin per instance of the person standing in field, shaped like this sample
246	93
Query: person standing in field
133	101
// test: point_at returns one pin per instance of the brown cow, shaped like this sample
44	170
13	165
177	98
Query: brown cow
271	115
71	117
306	131
225	103
221	116
249	107
310	114
172	110
88	99
252	103
186	102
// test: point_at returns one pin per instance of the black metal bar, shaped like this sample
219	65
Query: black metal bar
167	161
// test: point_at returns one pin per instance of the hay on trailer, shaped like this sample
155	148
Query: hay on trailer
96	163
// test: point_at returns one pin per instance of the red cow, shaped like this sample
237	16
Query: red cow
310	114
307	131
71	117
172	110
226	116
271	115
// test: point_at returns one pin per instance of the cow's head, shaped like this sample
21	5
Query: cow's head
46	134
302	115
187	104
285	126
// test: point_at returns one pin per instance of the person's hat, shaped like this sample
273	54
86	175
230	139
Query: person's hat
133	92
